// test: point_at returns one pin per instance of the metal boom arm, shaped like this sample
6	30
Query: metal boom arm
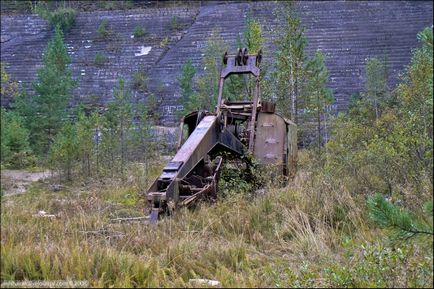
178	181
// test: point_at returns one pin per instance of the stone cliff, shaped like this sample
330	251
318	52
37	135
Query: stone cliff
348	32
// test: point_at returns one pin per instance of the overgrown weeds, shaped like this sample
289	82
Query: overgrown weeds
291	236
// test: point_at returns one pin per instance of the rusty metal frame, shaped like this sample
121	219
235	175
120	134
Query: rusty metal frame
191	174
242	63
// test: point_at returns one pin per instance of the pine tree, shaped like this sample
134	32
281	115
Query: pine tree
207	83
123	101
84	128
63	152
53	89
142	145
236	86
317	95
376	84
15	148
290	61
401	223
253	41
415	102
117	123
4	146
24	105
9	88
185	80
97	123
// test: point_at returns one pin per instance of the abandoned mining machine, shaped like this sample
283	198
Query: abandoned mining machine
237	127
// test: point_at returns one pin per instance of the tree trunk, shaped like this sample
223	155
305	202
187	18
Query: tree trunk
325	130
122	147
97	152
292	95
319	123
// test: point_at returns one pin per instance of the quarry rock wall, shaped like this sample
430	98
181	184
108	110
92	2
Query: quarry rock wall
348	32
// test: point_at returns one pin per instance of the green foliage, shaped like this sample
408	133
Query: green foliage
164	42
415	97
152	108
63	152
428	208
375	265
84	136
225	241
15	147
140	79
368	106
174	23
142	146
426	37
24	106
103	30
117	122
100	59
253	39
290	59
62	17
241	87
207	82
376	74
139	32
317	95
234	180
185	80
53	87
401	223
202	94
9	88
393	151
110	5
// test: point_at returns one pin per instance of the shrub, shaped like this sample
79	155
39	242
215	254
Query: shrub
164	42
174	22
139	32
15	147
62	17
103	31
100	59
140	79
401	223
111	5
63	152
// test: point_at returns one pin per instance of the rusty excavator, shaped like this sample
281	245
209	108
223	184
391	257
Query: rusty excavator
237	127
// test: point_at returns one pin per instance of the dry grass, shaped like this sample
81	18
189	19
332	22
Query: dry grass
306	234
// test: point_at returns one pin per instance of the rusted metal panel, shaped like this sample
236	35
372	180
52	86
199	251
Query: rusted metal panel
270	138
267	106
241	63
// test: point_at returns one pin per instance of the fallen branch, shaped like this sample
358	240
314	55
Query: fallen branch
129	219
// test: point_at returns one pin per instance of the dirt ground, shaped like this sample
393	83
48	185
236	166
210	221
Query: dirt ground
15	182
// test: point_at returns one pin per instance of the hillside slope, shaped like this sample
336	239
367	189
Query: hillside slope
348	32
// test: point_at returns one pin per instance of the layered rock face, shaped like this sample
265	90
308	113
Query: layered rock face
348	32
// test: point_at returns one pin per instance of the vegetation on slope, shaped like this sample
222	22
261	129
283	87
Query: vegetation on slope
323	229
294	236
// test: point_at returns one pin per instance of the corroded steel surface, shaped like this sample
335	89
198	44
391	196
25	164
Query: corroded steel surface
270	138
236	126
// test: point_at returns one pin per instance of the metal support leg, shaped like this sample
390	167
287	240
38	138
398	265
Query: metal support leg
253	120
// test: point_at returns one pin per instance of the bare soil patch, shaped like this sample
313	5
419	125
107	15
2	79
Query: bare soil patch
15	182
